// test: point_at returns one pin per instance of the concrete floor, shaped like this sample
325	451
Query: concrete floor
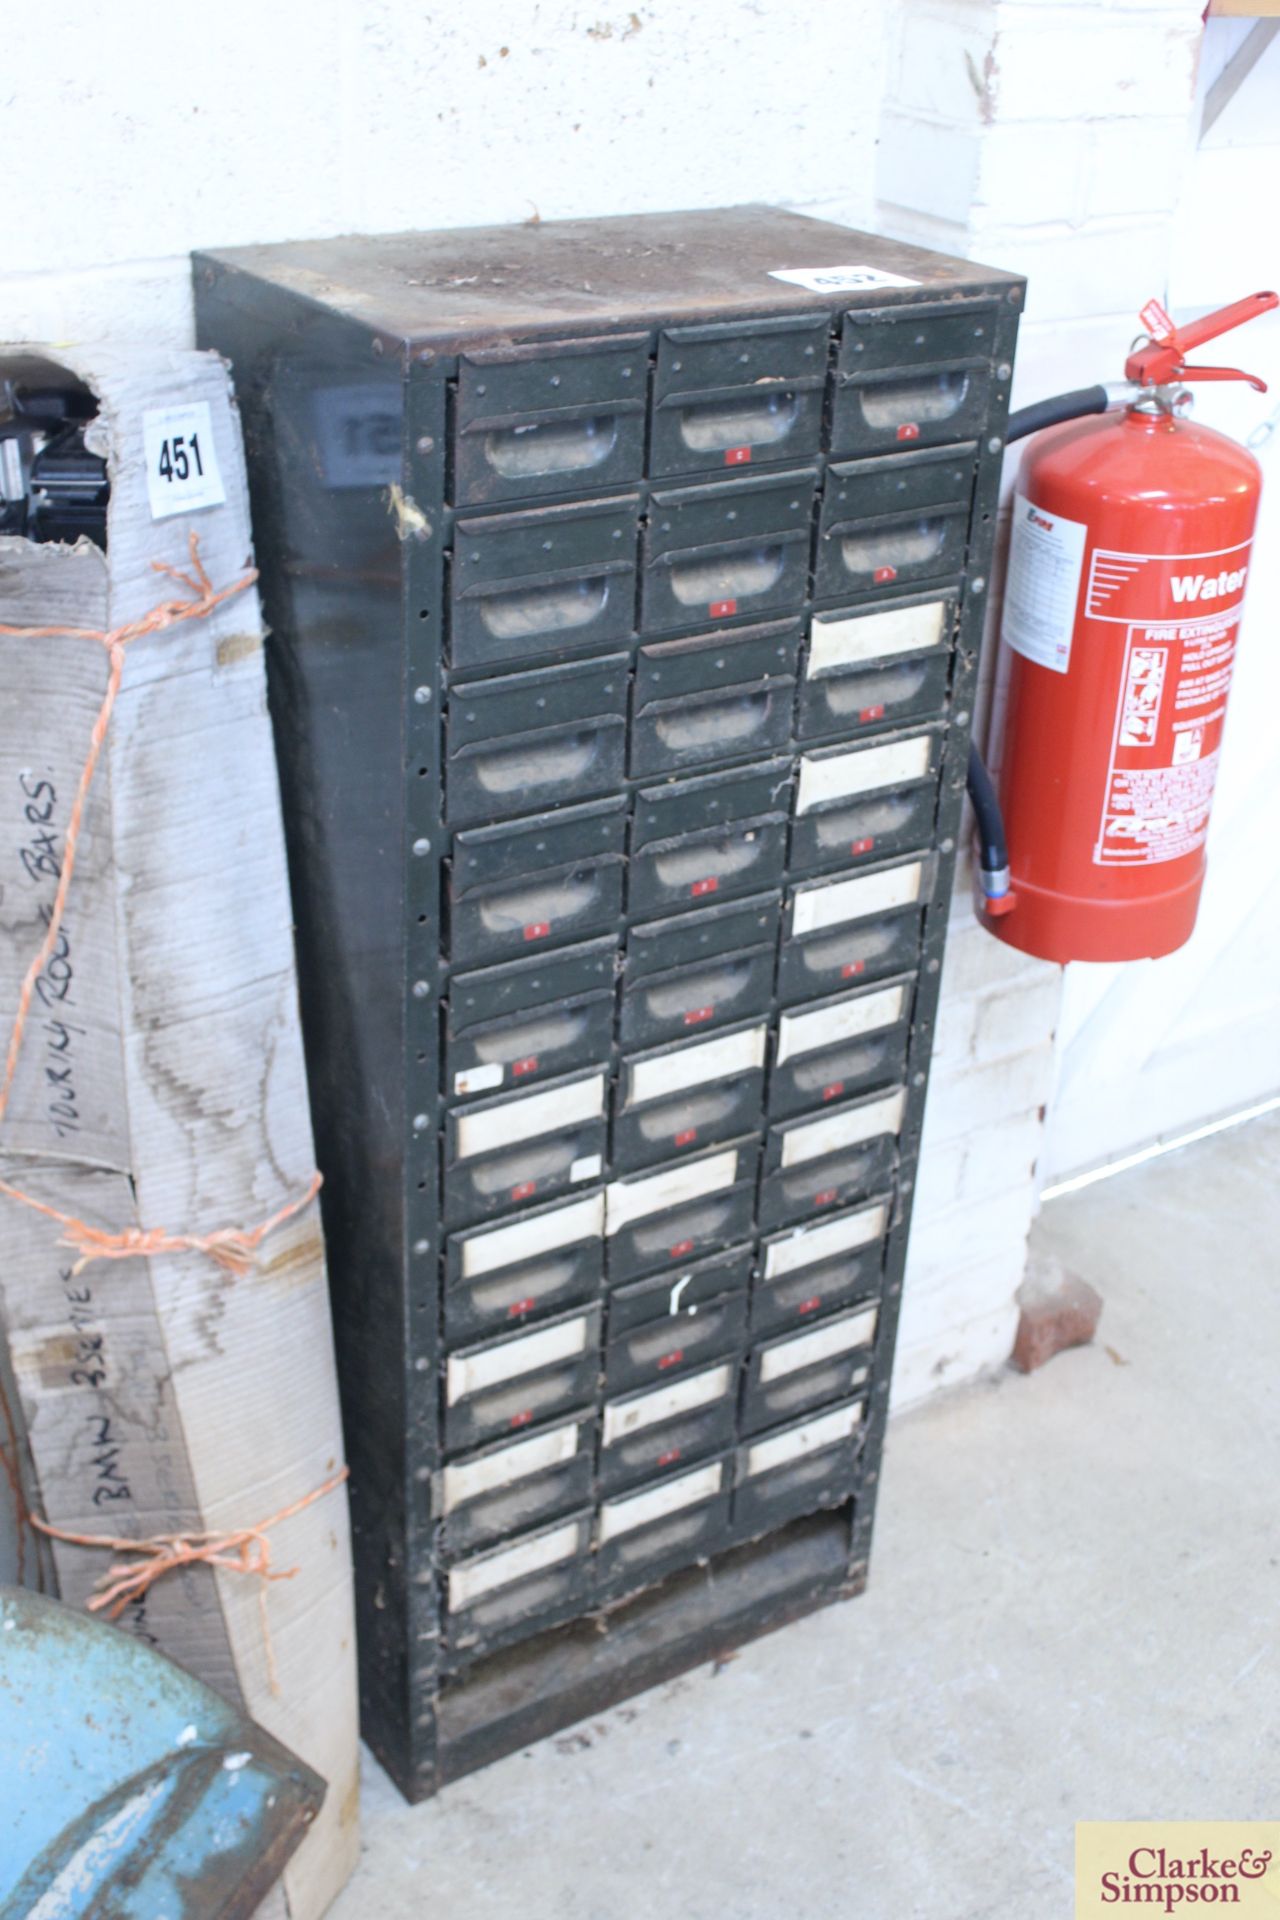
1072	1614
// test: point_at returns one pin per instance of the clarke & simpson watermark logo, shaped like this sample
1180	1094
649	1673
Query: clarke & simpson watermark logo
1169	1867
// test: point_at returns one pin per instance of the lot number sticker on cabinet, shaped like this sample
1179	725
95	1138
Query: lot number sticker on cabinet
182	461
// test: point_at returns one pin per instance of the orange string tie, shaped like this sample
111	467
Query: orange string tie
231	1248
235	1550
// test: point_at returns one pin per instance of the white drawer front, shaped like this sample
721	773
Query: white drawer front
484	1367
815	908
808	1245
471	1580
846	1020
810	1437
630	1200
468	1479
693	1066
837	776
820	1343
638	1509
625	1417
525	1239
848	1129
529	1116
836	642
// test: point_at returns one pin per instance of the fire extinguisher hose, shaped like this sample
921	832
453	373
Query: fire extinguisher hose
993	851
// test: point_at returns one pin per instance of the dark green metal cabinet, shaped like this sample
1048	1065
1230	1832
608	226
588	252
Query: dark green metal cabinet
626	602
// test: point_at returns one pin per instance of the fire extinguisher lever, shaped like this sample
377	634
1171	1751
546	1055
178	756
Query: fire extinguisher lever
1161	362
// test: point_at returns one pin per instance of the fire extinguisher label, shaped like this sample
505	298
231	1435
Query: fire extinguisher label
1168	731
1046	559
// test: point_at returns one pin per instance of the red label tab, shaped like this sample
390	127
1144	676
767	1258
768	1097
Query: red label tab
537	930
666	1459
811	1305
686	1137
521	1306
522	1419
737	456
908	430
851	967
520	1067
722	609
826	1198
1156	321
872	713
709	885
671	1359
861	846
525	1190
883	574
680	1249
834	1091
696	1015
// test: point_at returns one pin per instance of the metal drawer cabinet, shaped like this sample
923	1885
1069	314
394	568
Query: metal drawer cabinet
811	1464
862	804
826	1050
663	1429
508	1384
514	1485
689	1095
644	1535
738	393
861	928
680	1213
720	552
505	1152
809	1272
542	582
878	667
493	1599
828	1361
567	417
524	1048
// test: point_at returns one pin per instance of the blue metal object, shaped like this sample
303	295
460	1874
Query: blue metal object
130	1789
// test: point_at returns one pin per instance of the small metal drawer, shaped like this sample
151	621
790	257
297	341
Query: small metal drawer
914	407
798	1469
670	735
515	1485
532	583
689	1095
873	667
687	939
828	1361
861	556
478	999
698	998
512	1383
518	1246
528	1047
669	1296
543	1284
808	1272
663	1429
738	393
499	922
962	328
546	376
538	769
675	1344
645	1535
829	1049
710	662
507	1152
680	1213
543	697
795	1143
793	1194
775	350
515	850
717	552
528	456
736	858
898	483
873	696
862	804
857	928
711	800
519	1588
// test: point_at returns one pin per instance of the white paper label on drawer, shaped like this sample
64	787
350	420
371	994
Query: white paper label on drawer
859	279
638	1509
720	1059
525	1239
588	1167
814	908
828	1430
468	1582
182	461
532	1114
630	1200
821	1343
847	1129
808	1245
480	1079
469	1479
850	642
468	1373
625	1417
846	1020
837	776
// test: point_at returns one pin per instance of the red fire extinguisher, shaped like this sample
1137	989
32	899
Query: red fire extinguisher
1128	561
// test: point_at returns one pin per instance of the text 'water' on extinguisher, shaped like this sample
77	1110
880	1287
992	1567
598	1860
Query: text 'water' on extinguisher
1128	558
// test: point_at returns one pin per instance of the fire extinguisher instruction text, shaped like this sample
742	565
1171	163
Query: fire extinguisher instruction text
1046	559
